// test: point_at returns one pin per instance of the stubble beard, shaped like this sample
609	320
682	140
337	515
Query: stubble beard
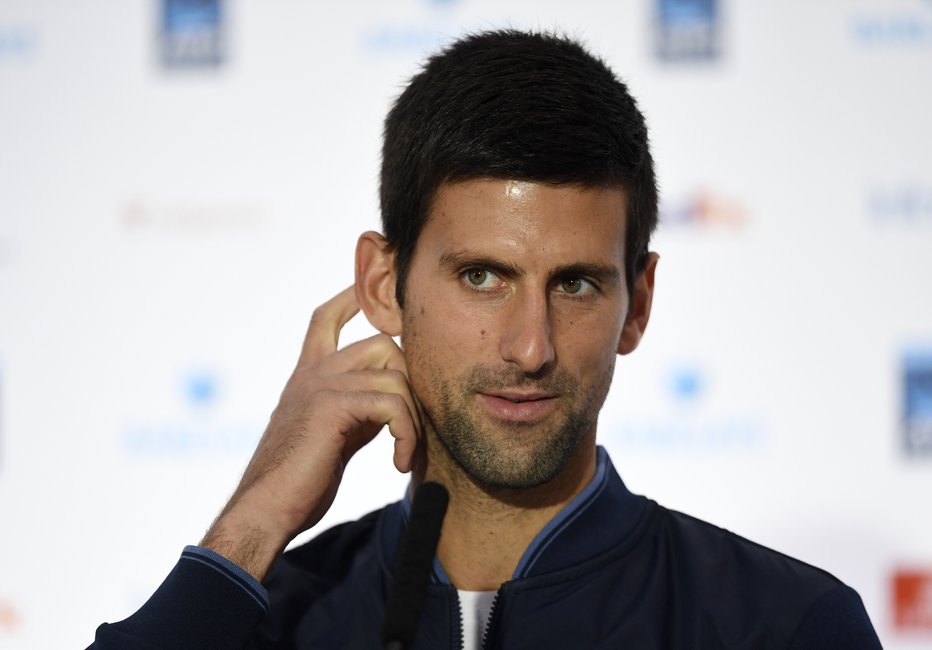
514	456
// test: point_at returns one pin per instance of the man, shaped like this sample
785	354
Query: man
518	199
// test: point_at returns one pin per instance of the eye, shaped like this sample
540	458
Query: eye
479	278
576	286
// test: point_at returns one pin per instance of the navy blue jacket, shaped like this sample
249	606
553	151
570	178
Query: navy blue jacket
612	570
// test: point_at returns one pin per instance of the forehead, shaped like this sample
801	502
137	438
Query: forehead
567	223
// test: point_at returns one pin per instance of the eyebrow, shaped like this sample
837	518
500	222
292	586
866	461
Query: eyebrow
461	259
455	261
604	273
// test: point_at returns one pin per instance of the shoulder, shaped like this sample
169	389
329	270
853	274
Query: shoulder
742	581
715	551
836	620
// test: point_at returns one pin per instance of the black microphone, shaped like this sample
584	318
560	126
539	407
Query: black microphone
415	560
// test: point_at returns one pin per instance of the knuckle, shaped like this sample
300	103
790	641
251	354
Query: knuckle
321	314
326	395
392	376
397	376
369	374
304	382
396	401
385	341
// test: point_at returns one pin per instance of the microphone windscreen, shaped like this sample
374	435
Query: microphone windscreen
415	561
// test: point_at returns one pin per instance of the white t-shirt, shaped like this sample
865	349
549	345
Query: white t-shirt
475	607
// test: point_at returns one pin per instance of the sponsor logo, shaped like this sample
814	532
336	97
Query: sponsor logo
413	38
9	617
912	600
917	403
200	389
906	204
685	383
688	421
203	427
894	27
18	42
192	34
189	217
687	30
401	38
703	209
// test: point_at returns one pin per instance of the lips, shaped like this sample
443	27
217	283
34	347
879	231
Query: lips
519	394
518	405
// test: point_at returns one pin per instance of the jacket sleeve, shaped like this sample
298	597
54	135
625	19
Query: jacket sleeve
836	621
205	602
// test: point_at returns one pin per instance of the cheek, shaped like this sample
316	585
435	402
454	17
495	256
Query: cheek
588	338
588	351
458	327
441	340
590	362
419	358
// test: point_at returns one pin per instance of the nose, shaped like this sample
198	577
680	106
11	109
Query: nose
527	334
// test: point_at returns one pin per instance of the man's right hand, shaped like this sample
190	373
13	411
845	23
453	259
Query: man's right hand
335	402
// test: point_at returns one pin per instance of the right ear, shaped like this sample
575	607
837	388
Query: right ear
375	283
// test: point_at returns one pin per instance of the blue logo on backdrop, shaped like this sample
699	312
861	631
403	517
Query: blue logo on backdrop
405	38
413	37
917	403
894	28
687	30
907	204
200	388
202	429
192	34
685	384
687	424
17	42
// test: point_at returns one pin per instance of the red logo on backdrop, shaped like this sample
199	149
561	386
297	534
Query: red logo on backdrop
912	601
9	618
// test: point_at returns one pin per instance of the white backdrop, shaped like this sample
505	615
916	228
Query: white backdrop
170	216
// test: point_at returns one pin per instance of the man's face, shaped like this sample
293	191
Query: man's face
514	308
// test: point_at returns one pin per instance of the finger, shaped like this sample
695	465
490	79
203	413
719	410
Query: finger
374	381
376	352
391	410
323	332
406	447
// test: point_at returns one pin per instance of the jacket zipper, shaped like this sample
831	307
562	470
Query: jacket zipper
459	618
488	626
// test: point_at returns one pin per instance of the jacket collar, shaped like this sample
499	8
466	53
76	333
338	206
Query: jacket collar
598	519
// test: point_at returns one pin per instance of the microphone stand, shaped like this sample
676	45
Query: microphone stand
415	560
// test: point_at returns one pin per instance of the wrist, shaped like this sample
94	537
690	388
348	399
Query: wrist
249	545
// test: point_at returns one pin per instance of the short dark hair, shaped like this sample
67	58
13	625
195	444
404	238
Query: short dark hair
513	105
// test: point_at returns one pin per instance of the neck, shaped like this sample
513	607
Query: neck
486	530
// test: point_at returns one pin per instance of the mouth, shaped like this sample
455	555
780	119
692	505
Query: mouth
516	397
519	406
